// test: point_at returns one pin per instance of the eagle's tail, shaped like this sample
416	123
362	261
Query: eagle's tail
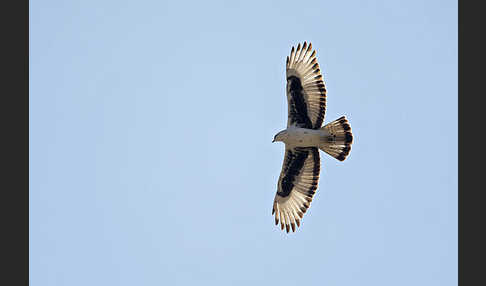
337	138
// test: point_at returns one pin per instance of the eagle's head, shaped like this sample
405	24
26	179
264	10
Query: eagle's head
280	136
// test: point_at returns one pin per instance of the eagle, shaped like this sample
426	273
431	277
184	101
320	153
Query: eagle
304	137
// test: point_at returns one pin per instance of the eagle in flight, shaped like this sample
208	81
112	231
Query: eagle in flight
304	136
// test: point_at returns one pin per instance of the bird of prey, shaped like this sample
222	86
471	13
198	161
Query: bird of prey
304	137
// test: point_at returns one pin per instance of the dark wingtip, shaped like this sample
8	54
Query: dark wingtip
301	214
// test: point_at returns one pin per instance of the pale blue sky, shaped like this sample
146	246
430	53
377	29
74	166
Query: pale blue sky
151	160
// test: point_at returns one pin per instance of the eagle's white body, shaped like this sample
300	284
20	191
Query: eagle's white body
303	137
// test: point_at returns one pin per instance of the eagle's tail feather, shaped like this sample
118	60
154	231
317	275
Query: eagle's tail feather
337	139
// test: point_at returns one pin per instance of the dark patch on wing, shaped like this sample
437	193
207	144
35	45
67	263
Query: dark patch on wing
317	162
294	162
315	171
322	108
297	105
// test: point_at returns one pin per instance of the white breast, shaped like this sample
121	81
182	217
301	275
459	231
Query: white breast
302	137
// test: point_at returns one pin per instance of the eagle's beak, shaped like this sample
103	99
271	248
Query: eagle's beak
273	140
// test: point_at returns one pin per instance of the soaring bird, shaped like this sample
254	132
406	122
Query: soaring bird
304	137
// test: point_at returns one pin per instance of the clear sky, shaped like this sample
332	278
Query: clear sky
151	160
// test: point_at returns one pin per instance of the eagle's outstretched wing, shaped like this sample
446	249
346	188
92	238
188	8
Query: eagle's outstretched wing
306	92
296	186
